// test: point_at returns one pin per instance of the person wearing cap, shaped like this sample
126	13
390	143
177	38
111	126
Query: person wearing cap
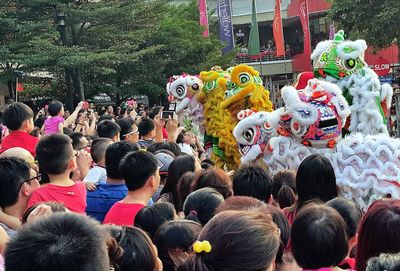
165	158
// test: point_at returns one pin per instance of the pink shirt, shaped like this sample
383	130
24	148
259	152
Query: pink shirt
123	214
73	197
51	125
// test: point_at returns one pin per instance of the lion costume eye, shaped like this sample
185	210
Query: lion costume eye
248	134
210	85
350	63
180	91
230	85
244	78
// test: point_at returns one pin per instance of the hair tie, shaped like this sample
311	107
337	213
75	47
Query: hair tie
193	212
202	246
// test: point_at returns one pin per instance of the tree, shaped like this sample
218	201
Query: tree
117	47
376	21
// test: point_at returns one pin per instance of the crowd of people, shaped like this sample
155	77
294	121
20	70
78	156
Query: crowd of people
128	190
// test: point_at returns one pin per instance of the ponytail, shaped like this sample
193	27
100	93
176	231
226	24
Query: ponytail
194	263
286	196
193	216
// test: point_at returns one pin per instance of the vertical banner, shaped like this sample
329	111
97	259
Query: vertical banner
254	38
225	25
303	11
278	30
203	16
332	31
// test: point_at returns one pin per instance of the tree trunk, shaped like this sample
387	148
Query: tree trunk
11	88
77	81
70	91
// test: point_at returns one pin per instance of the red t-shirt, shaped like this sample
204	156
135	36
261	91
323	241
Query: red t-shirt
20	139
73	197
123	214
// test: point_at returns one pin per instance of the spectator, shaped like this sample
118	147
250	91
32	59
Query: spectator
169	146
108	129
200	205
79	141
129	130
17	183
98	174
385	262
215	178
140	171
41	210
53	245
150	218
246	241
109	110
147	133
114	189
23	154
55	123
57	158
165	161
284	188
18	118
379	231
252	181
183	187
319	238
174	241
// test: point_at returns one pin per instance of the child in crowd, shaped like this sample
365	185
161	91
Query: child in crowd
165	158
147	133
108	129
57	158
55	123
284	188
140	171
18	118
98	174
215	178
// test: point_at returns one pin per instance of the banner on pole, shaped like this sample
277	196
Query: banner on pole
278	30
254	38
225	25
303	11
20	87
203	16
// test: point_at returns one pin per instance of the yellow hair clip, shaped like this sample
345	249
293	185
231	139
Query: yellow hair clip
199	246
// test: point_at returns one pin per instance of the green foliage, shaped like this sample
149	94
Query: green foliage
118	47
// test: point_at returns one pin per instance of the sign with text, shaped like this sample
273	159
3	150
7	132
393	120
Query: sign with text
225	24
381	66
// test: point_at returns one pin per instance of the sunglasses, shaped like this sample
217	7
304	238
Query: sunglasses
133	132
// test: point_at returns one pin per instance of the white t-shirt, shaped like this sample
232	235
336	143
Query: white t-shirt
96	175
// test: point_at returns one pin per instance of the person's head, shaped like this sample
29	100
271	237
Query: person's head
98	149
53	245
239	240
200	205
139	252
23	154
284	188
16	182
319	237
114	154
183	187
106	117
150	218
129	130
177	168
170	146
315	180
154	112
384	262
165	161
207	163
252	181
139	169
18	116
79	141
55	154
55	108
215	178
147	128
51	207
109	109
108	129
379	231
174	240
240	203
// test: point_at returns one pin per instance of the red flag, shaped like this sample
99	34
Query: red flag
303	11
278	30
203	16
20	87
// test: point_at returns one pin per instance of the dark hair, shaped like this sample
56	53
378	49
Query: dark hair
388	262
252	181
13	173
177	168
150	218
139	253
154	112
145	126
105	117
170	146
350	213
54	152
126	126
39	122
207	163
114	154
315	180
56	207
215	178
137	167
54	108
319	237
284	188
174	237
201	204
76	140
183	187
15	114
53	244
246	241
108	129
379	231
99	147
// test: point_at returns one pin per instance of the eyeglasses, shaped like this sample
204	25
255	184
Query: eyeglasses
37	177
